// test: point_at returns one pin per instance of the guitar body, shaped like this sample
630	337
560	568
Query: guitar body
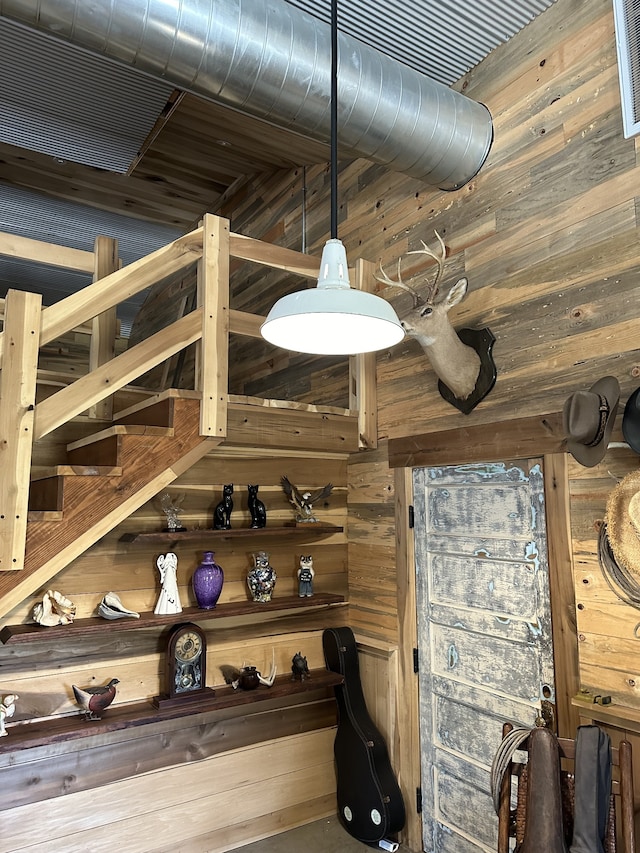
370	804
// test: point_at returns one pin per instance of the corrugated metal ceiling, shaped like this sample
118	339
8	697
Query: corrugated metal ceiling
441	38
71	104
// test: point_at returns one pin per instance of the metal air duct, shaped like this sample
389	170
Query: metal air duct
271	60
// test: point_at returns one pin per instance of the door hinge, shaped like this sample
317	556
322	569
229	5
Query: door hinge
419	800
416	661
412	517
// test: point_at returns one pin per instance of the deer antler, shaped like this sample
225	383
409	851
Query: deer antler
433	287
384	278
425	250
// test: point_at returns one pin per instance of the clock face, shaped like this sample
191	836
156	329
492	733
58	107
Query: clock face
188	646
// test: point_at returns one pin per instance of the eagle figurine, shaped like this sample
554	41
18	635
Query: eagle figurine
94	700
303	501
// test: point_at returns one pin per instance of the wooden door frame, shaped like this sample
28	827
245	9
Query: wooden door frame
563	624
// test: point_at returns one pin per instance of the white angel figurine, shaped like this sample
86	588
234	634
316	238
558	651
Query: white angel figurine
7	709
169	598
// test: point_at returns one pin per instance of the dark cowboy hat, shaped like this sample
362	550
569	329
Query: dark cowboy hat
631	421
589	417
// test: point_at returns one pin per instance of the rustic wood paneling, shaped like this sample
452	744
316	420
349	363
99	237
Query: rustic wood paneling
563	604
47	773
230	792
42	673
607	626
372	559
547	234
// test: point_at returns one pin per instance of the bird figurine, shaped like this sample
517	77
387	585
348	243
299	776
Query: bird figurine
94	700
7	709
303	501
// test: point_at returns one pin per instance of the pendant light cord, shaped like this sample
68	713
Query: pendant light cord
334	119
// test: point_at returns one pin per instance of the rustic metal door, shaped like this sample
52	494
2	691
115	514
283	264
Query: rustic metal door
484	632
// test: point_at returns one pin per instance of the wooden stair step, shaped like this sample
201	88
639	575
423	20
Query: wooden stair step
44	515
77	471
105	448
120	429
151	458
157	410
60	493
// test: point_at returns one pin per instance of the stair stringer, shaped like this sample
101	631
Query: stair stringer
153	462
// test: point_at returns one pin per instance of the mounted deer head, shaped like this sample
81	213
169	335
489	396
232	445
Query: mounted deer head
456	364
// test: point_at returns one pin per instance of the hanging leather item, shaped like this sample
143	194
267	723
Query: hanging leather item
544	830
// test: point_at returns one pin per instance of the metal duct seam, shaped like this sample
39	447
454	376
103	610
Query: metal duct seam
271	60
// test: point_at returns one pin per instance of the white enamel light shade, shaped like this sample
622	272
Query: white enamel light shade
332	318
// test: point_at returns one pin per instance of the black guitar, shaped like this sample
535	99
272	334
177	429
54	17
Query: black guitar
370	804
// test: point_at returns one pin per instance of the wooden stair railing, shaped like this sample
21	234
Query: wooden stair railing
28	545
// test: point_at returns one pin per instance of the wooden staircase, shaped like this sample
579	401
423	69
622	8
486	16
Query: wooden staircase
107	476
49	521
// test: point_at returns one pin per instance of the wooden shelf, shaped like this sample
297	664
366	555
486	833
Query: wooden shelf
627	719
289	530
116	718
32	632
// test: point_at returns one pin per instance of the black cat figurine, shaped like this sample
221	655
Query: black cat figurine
222	512
256	508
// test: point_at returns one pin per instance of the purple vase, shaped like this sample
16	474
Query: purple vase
207	582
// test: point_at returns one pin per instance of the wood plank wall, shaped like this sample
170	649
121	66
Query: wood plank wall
607	626
547	234
296	739
205	806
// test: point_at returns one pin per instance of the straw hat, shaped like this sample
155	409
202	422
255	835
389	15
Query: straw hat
589	417
623	522
631	421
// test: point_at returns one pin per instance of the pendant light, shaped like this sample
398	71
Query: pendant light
332	318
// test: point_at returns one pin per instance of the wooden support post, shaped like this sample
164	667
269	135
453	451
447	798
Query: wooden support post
17	401
212	356
562	592
408	725
362	374
104	327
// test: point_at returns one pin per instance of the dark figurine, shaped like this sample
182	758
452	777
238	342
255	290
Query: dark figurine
256	508
303	501
299	668
249	678
94	700
222	512
305	576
